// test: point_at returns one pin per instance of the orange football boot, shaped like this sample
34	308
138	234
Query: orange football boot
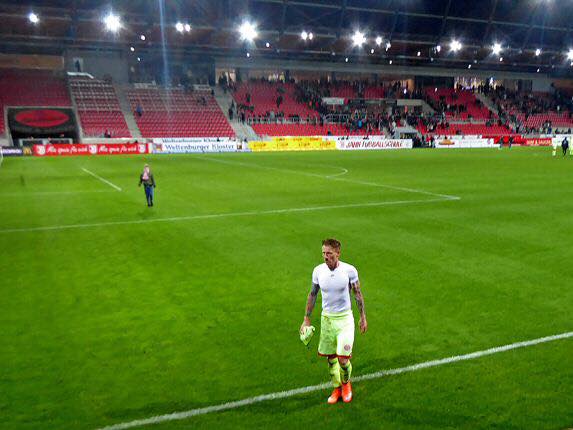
347	392
335	396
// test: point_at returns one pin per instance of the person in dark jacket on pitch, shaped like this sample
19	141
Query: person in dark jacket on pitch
148	181
565	146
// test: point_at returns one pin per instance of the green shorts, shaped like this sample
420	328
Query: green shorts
336	334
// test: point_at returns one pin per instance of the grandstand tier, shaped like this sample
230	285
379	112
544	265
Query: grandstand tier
176	112
98	108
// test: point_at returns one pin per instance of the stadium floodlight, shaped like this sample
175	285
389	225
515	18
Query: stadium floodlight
537	52
570	54
388	45
455	45
310	36
372	51
346	60
132	49
138	58
500	59
180	27
142	37
537	70
358	38
248	31
304	35
112	22
379	40
390	62
438	48
268	45
418	54
187	28
33	18
469	66
496	48
248	55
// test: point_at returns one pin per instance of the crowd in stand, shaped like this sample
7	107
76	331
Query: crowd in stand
512	103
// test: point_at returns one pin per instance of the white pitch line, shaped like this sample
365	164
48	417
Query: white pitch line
333	177
303	390
101	179
345	171
221	215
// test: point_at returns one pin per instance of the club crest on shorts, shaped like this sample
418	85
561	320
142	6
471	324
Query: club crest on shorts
347	347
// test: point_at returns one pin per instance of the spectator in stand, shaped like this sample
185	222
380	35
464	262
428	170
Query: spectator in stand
107	134
139	110
148	181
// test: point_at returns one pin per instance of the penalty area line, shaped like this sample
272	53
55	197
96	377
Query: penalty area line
105	181
303	390
223	215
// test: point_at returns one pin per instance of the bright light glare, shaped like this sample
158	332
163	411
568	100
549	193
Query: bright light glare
570	54
33	18
358	38
304	35
112	22
142	37
248	31
388	45
455	45
179	27
438	48
268	45
537	52
132	49
496	48
372	51
310	36
419	53
379	41
187	28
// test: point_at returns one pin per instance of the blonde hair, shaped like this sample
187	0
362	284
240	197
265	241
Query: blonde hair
333	243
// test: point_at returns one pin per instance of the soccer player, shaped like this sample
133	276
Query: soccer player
335	279
148	181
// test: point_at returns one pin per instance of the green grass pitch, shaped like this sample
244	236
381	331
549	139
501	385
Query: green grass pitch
143	312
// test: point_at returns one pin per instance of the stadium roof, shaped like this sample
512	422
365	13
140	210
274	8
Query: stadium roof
414	28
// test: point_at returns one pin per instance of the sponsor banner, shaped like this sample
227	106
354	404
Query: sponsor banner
460	142
96	149
373	142
191	139
333	100
11	152
303	143
194	147
539	141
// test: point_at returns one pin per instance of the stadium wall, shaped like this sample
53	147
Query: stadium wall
99	64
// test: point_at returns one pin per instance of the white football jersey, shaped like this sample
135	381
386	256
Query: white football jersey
335	286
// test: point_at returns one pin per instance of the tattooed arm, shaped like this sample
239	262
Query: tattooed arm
310	302
355	287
